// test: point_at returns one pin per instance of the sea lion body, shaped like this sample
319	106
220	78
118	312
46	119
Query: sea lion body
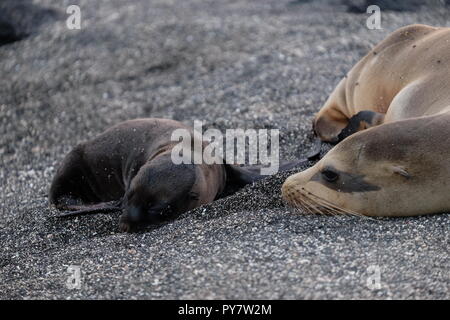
131	163
392	113
129	167
404	76
107	164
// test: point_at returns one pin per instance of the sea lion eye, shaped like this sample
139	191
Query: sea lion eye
330	175
194	195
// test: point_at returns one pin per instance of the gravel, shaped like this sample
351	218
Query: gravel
232	64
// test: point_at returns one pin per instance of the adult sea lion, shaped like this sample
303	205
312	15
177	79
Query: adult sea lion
129	167
398	97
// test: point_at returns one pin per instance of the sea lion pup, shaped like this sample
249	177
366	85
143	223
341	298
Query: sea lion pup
400	165
129	167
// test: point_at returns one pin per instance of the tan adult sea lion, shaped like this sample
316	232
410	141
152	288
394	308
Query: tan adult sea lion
392	113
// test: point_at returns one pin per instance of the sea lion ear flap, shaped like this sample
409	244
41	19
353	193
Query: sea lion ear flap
241	176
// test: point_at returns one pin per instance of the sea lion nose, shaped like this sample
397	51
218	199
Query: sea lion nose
133	214
288	188
293	183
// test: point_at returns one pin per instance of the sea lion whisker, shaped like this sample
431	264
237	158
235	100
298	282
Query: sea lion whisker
306	206
340	209
301	207
327	208
312	204
297	204
335	209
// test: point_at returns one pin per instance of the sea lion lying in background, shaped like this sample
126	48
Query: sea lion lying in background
129	167
398	97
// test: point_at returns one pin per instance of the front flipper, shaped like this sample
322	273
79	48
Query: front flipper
361	121
103	207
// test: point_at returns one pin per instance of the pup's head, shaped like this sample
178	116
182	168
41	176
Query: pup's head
160	191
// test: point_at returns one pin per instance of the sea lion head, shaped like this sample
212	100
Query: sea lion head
389	170
161	190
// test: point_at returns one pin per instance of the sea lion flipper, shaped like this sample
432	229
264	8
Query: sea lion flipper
314	154
362	120
241	176
103	207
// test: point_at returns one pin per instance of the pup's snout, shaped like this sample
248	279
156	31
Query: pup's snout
134	217
134	214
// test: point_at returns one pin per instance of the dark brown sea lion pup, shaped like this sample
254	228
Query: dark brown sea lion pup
398	97
129	167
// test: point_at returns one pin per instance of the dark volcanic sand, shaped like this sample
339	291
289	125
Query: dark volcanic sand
232	64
